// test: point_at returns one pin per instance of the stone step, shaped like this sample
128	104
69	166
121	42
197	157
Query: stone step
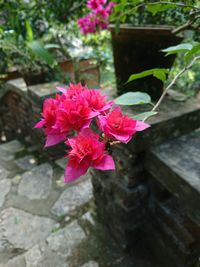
172	218
176	165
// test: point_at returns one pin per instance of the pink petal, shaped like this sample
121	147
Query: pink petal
107	163
72	174
86	124
122	138
40	124
140	126
53	139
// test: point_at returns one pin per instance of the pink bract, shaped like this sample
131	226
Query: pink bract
94	4
98	18
117	126
86	151
74	115
72	91
48	122
97	102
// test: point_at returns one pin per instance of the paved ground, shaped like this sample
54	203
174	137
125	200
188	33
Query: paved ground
45	222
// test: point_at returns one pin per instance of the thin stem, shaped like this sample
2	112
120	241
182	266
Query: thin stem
186	25
173	82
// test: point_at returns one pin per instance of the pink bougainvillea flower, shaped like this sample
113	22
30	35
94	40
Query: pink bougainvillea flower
74	115
88	24
73	90
94	4
97	102
86	151
117	126
110	7
48	122
98	18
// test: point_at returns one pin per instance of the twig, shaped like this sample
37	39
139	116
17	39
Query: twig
173	82
186	25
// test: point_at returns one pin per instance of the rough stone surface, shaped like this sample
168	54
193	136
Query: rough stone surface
5	185
36	184
26	163
13	146
91	264
3	173
15	262
33	257
5	155
73	197
23	230
61	162
65	240
41	91
176	165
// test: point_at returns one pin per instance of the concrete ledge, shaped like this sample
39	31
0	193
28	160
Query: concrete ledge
174	119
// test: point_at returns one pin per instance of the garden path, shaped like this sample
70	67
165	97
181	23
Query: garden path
45	222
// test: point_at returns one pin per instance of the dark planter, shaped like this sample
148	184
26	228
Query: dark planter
137	49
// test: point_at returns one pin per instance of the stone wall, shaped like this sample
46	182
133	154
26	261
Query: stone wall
136	205
20	108
144	198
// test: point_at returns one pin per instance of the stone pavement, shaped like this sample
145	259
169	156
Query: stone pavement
45	222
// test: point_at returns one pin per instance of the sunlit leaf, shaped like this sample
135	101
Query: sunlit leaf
145	115
39	50
133	98
192	52
158	73
155	8
29	31
178	48
49	46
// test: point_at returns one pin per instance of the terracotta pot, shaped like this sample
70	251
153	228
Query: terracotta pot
137	49
87	71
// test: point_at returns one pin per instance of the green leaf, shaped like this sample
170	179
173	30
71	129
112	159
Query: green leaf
133	98
39	50
178	48
192	52
119	7
29	31
155	8
145	115
49	46
158	73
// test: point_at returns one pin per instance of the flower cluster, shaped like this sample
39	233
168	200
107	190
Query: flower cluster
71	112
98	18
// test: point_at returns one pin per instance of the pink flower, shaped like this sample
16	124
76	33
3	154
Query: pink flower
88	24
98	18
74	115
96	101
73	91
109	7
117	126
86	151
94	4
48	122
